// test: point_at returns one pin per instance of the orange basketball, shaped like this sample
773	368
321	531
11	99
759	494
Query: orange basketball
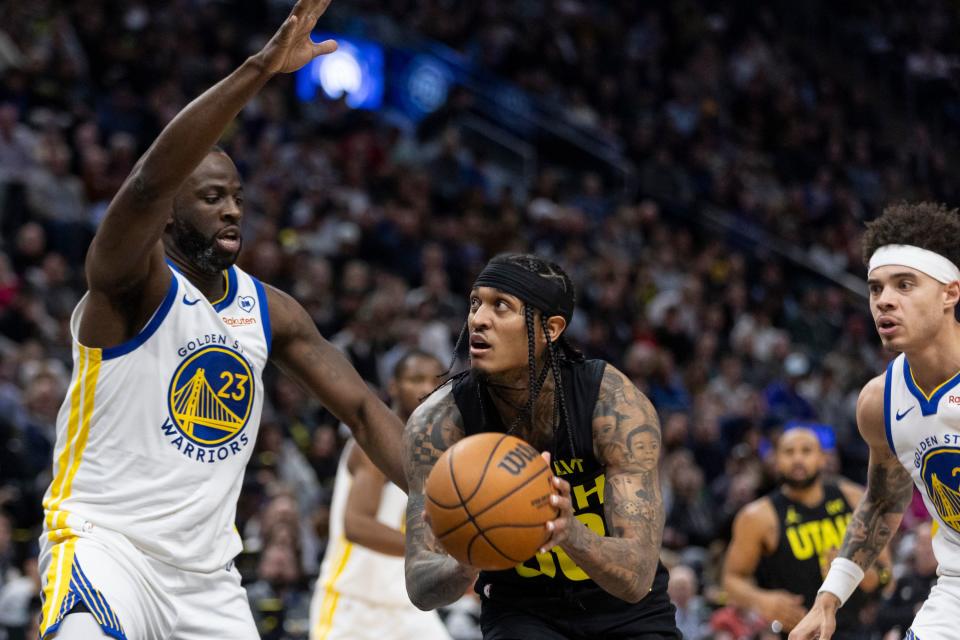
488	498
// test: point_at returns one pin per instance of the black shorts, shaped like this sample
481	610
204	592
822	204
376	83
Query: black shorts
549	619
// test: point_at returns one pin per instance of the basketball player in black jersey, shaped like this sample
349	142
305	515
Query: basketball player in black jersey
784	542
599	575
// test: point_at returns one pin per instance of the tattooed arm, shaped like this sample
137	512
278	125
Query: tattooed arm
876	518
872	579
434	578
626	437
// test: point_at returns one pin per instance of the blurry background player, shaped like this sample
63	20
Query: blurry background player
599	575
164	407
360	592
783	543
908	416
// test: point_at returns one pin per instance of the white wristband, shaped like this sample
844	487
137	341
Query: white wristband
842	579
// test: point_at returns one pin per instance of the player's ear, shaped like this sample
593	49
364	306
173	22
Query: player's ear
951	294
555	327
173	212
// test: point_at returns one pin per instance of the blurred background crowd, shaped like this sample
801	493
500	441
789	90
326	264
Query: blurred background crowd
715	270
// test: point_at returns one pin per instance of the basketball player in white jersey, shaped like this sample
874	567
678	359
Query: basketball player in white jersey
910	415
361	592
162	414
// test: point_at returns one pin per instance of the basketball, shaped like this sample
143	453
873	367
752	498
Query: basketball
488	499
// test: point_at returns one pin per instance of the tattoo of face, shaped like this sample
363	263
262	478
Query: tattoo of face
447	428
627	441
643	445
429	435
626	425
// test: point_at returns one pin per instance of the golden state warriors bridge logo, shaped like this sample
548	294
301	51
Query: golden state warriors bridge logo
941	475
209	401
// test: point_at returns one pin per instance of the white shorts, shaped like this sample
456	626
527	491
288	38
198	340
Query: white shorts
334	616
133	596
937	618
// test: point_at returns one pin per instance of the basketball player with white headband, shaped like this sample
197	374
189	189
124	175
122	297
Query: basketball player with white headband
910	415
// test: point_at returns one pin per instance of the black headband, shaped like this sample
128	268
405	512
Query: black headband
533	289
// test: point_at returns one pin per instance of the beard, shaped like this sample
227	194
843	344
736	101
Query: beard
801	483
203	252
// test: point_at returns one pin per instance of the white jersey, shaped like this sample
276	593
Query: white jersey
352	570
154	434
923	430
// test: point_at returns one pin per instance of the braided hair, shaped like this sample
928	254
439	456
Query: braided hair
557	352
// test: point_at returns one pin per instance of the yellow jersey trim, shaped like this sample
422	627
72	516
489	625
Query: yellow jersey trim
82	400
58	583
929	396
226	289
331	596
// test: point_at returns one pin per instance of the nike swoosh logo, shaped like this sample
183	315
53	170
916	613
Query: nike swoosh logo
189	302
901	416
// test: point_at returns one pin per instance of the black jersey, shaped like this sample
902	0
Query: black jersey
552	580
807	537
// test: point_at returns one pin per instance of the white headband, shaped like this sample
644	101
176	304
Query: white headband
906	255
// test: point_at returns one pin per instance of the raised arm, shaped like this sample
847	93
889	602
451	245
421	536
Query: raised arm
755	531
434	578
361	525
303	354
626	437
876	518
125	262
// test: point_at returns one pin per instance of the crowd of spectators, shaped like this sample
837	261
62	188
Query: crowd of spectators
378	230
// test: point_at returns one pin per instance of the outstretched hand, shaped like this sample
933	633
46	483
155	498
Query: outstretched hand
820	622
291	47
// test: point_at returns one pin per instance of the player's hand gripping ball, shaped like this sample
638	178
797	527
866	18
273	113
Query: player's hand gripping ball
488	501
